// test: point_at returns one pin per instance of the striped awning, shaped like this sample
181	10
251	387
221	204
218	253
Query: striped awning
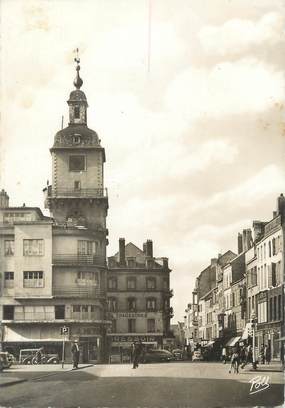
232	342
210	343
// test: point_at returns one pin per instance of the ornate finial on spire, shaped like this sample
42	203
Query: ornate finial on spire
78	81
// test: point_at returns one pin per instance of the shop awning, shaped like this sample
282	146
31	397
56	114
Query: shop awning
210	343
246	330
232	342
25	336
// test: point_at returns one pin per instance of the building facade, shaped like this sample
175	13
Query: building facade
247	297
54	270
270	282
138	299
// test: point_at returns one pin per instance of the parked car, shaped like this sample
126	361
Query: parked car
178	354
6	360
157	356
197	355
28	356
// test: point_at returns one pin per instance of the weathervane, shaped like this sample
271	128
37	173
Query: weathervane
77	59
78	81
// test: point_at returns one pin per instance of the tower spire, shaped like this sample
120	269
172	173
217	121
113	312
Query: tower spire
77	81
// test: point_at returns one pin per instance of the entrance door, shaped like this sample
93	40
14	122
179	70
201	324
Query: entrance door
90	349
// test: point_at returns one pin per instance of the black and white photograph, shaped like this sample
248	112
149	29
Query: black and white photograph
142	203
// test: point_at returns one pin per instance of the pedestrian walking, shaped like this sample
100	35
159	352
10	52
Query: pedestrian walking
243	356
39	355
224	355
267	354
262	354
235	362
137	353
75	353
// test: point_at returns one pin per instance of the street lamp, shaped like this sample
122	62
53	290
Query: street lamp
253	323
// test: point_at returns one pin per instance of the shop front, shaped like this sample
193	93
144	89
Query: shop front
17	337
121	346
270	334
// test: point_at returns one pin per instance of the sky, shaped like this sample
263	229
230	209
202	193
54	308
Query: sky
187	97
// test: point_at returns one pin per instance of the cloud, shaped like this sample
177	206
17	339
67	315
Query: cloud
250	192
238	36
241	87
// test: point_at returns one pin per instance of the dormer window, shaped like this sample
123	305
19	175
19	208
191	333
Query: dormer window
76	112
76	139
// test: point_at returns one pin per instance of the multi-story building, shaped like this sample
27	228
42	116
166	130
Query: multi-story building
191	332
138	298
234	299
208	295
178	331
270	281
54	269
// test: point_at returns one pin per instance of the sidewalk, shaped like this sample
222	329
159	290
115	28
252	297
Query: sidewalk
19	373
274	366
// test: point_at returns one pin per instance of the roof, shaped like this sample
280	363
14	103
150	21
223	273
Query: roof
37	209
132	251
64	137
77	95
222	260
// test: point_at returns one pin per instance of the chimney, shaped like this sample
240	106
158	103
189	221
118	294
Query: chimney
149	248
258	229
165	263
144	248
274	214
281	205
240	245
214	261
247	239
122	252
4	199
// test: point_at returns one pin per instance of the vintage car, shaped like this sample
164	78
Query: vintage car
6	360
178	354
157	356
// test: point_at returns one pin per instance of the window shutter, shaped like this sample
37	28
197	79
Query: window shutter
273	274
269	275
273	246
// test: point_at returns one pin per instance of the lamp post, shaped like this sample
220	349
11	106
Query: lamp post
253	323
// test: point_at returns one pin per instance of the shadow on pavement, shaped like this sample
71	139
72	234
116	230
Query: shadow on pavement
80	389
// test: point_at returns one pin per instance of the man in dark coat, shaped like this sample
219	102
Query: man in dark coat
137	353
75	353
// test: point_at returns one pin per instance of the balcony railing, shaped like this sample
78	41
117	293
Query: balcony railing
71	259
77	291
83	192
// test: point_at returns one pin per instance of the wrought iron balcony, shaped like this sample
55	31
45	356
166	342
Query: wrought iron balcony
78	291
80	193
71	259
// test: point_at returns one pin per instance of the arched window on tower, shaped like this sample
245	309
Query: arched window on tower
76	112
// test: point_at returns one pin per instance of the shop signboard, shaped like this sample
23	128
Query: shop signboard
131	339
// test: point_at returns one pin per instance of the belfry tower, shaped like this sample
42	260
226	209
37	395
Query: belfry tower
78	204
77	196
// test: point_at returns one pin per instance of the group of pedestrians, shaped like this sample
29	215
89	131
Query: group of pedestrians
241	356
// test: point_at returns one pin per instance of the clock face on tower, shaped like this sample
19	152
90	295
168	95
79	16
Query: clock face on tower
77	162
